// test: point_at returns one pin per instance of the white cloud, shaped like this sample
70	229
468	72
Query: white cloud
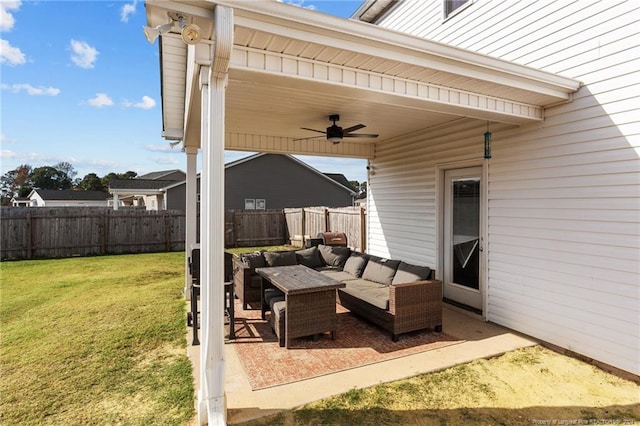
5	153
83	54
146	103
101	100
7	20
31	90
10	55
299	3
171	161
128	9
165	148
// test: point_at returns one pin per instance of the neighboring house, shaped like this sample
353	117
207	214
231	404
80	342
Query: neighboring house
146	191
361	200
276	181
68	198
273	181
534	225
21	202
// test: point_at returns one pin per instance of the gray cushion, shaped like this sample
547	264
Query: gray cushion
272	293
280	259
276	299
380	270
369	291
355	264
278	308
408	273
253	260
309	257
334	256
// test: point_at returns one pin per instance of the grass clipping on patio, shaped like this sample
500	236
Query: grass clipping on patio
95	340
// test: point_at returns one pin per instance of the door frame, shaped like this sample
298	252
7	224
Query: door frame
441	168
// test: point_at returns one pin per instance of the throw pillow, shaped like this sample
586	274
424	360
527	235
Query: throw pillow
253	260
309	257
408	273
280	259
380	270
334	256
355	264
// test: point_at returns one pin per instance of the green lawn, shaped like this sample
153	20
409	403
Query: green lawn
94	340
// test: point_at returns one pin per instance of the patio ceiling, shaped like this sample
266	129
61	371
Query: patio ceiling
292	68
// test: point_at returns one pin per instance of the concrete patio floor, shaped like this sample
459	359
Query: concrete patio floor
482	340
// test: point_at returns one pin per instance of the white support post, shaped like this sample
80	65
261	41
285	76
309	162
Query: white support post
213	80
191	214
116	201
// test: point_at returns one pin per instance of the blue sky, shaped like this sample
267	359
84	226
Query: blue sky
80	83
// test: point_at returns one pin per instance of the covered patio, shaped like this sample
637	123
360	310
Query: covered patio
249	76
479	339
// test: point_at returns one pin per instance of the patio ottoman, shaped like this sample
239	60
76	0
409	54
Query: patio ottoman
277	318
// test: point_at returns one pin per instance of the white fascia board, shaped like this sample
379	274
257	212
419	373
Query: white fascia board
300	24
134	191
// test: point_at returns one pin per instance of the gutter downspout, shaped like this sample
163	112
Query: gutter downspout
191	214
213	83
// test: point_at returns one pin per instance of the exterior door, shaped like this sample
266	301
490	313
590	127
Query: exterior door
463	236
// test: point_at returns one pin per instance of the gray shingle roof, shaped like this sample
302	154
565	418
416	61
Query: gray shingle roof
158	175
139	183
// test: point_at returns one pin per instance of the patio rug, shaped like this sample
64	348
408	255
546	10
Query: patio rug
358	343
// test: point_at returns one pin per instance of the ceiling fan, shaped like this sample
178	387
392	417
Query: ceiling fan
335	133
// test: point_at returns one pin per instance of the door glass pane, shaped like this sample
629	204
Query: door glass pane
466	231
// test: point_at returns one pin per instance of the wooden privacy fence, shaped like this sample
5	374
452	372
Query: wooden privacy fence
49	232
251	228
307	222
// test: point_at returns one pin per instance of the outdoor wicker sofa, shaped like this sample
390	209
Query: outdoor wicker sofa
396	296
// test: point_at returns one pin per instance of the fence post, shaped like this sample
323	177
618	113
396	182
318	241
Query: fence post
303	225
363	230
103	233
167	231
326	220
234	228
29	236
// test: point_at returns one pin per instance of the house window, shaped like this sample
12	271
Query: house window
249	204
261	204
451	7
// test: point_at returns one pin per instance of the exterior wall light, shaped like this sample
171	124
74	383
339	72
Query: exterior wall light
190	33
487	143
152	33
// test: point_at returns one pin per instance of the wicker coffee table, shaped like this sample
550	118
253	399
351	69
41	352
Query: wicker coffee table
310	297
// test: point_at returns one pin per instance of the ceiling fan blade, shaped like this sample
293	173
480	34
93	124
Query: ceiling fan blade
354	128
362	135
304	139
313	130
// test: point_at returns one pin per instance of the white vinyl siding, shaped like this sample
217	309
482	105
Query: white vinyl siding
563	195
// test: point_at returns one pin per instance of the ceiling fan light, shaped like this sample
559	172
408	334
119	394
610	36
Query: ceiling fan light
335	140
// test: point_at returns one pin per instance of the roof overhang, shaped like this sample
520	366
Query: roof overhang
291	67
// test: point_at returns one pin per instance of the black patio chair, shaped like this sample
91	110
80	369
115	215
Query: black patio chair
229	296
